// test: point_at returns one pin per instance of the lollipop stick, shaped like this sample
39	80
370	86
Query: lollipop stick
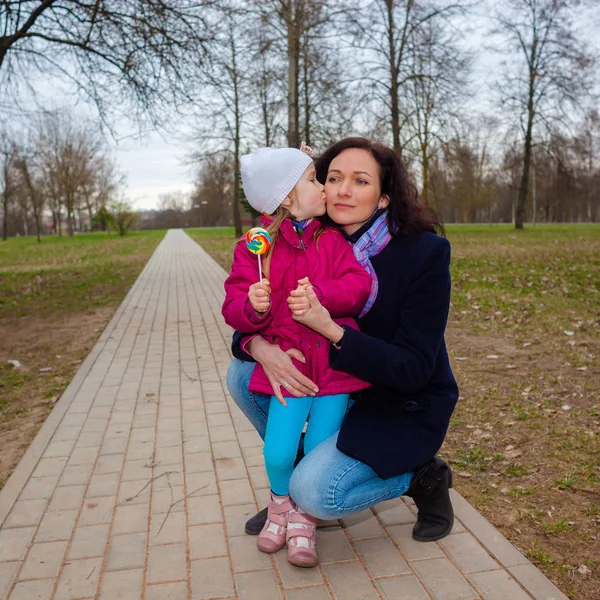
259	268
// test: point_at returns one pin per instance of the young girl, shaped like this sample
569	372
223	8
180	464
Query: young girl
282	183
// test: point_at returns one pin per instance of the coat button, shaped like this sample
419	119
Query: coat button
318	344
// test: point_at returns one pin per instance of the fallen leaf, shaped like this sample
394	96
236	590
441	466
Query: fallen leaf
569	333
584	570
492	356
15	363
566	407
463	474
581	369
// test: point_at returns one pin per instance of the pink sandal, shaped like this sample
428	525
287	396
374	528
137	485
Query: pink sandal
273	534
302	539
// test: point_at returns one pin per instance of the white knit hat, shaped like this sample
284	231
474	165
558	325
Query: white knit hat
270	174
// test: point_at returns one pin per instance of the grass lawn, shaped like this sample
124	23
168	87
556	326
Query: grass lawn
524	341
56	297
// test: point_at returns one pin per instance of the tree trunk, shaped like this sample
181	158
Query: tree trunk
5	216
425	169
293	61
305	81
394	102
524	187
235	201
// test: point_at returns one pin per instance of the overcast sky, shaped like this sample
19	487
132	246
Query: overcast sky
153	166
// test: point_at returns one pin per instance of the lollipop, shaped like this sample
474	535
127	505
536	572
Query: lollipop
258	241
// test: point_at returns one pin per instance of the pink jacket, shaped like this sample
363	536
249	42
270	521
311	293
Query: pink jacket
340	283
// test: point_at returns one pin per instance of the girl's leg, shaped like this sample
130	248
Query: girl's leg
326	415
284	428
254	406
330	485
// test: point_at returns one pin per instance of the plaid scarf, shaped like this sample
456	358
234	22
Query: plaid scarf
371	243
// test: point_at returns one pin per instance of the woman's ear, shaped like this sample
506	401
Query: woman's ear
384	201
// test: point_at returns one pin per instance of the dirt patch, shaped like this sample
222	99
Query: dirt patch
524	445
50	354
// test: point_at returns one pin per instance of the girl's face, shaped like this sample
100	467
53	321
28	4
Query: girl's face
353	189
307	199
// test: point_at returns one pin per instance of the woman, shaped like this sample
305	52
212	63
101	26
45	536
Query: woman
388	440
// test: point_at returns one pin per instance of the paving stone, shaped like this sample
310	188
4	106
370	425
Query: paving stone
79	579
381	557
67	497
309	593
89	542
76	475
122	585
258	585
103	485
497	585
258	477
394	512
207	541
362	525
467	553
55	449
411	549
236	517
43	560
236	491
333	546
350	581
201	484
204	509
127	551
226	450
196	443
442	580
402	588
14	543
245	556
25	513
131	519
537	584
39	488
167	563
8	570
109	463
56	526
211	578
166	439
167	591
230	468
292	576
218	420
33	590
495	543
83	456
137	470
171	455
168	529
168	500
97	510
49	466
134	492
113	445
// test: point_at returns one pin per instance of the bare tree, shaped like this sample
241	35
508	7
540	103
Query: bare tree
387	31
546	75
7	180
33	189
133	54
435	93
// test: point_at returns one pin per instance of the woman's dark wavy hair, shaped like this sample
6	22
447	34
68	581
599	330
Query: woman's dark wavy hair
407	215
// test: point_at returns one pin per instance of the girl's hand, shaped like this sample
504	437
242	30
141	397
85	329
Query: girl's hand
298	300
280	369
317	317
259	295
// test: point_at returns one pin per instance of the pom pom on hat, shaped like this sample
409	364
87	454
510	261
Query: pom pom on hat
270	174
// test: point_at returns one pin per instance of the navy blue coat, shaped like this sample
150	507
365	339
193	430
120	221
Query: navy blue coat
400	422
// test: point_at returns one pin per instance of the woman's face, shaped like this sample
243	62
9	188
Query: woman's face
353	189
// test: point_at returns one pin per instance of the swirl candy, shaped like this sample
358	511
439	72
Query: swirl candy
258	241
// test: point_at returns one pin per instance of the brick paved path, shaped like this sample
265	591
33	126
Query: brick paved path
139	483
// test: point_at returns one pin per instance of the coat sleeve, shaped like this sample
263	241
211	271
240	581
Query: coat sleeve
407	363
346	292
237	309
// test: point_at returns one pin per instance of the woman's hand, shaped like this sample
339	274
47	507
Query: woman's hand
280	369
316	317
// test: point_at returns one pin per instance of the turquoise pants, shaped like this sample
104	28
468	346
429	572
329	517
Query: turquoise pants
284	428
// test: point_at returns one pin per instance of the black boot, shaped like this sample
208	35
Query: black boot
255	524
430	491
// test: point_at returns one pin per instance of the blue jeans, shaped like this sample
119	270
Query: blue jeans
326	484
